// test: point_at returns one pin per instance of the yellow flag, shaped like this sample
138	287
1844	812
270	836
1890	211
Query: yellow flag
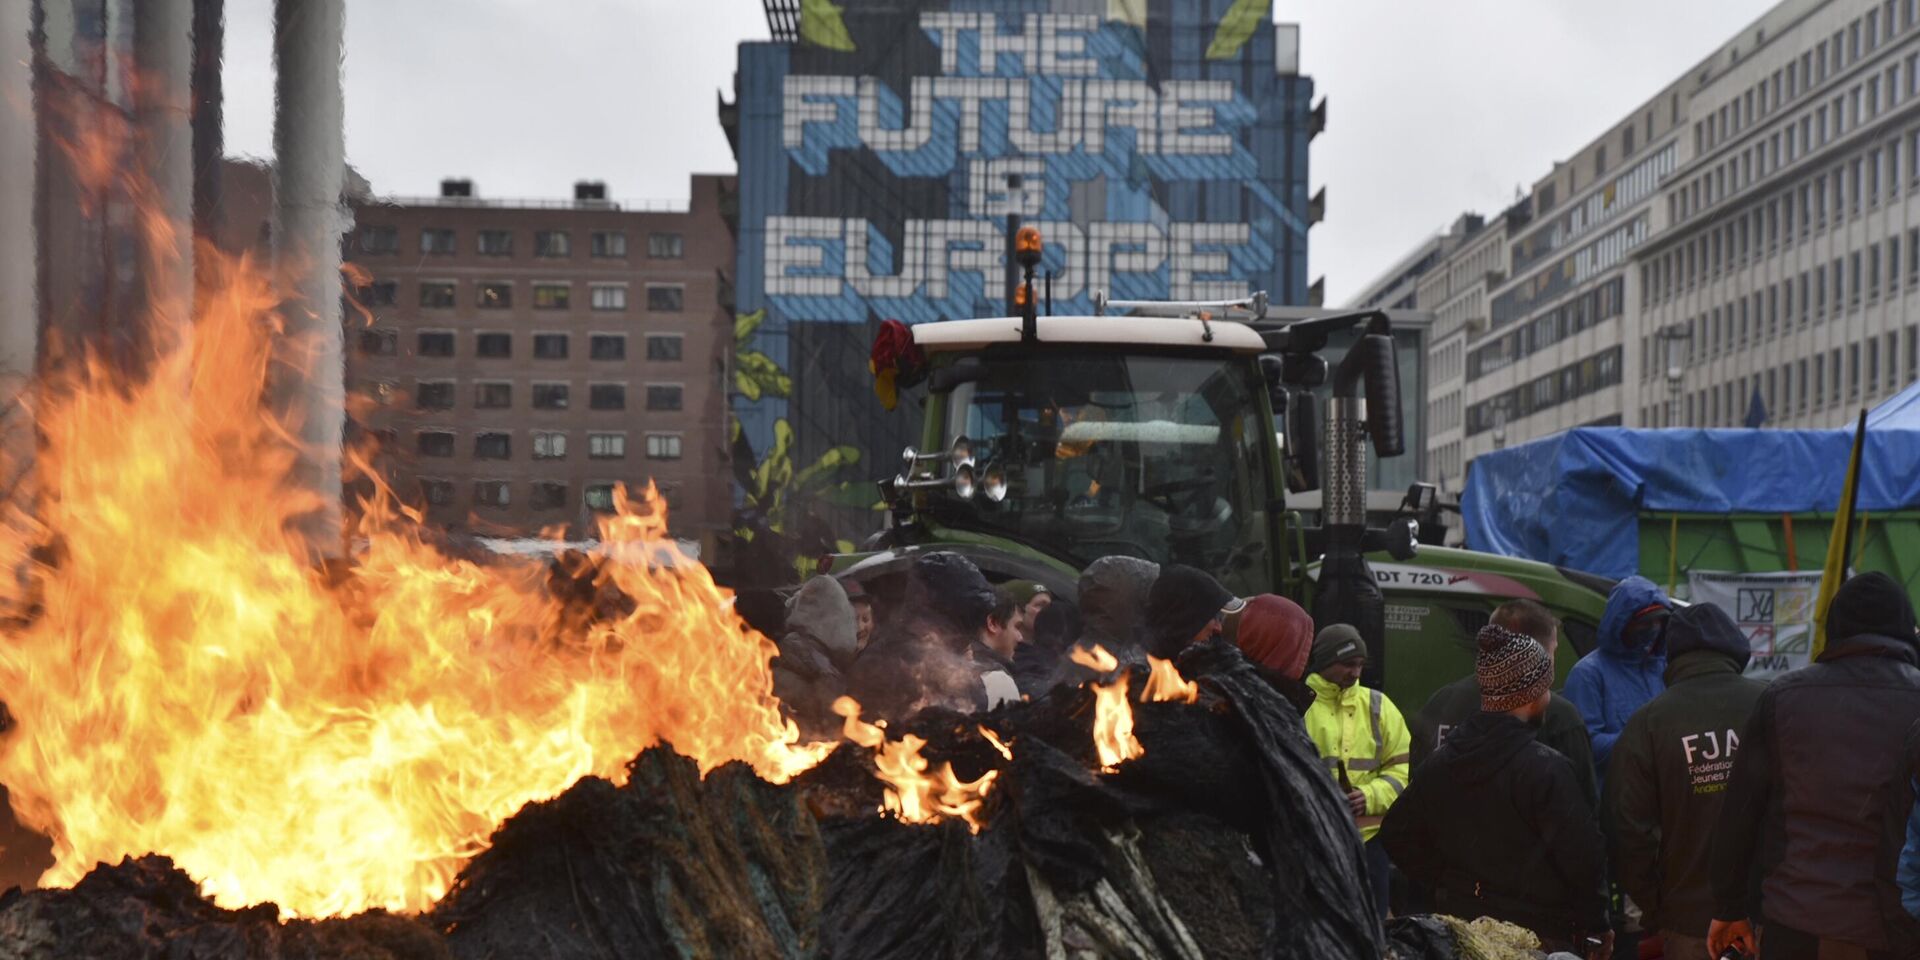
1839	541
1242	21
822	25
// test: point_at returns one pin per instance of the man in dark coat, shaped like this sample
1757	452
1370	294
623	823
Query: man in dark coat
1669	776
919	658
1824	742
1185	607
1494	822
1113	597
815	653
1562	728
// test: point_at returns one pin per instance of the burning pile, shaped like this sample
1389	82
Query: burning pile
331	739
250	735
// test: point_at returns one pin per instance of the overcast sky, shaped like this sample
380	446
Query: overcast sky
1434	108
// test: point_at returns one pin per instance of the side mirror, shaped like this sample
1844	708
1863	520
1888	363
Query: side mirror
1303	437
1403	539
1382	378
1421	497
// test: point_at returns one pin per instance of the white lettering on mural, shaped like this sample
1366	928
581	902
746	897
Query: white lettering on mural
801	252
1178	118
1024	96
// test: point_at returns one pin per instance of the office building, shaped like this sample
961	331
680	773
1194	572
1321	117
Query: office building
1783	281
522	357
1737	250
1397	289
1159	146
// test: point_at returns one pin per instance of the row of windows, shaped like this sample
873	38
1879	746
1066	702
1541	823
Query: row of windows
542	494
1816	128
1447	464
1447	361
1569	383
498	395
1845	48
547	445
441	241
1580	313
382	342
1444	413
1843	284
498	295
1820	202
1799	386
1628	189
1572	270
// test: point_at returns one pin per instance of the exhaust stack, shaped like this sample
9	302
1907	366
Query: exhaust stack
309	145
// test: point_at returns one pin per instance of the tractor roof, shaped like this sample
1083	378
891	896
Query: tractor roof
1228	335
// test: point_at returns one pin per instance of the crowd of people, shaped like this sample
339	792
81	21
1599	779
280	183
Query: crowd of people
1662	791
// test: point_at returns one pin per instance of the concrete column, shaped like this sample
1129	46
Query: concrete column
162	86
209	41
309	145
19	242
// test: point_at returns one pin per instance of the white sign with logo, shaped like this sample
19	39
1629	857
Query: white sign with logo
1774	610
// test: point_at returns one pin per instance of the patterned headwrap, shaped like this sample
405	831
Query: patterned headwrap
1513	669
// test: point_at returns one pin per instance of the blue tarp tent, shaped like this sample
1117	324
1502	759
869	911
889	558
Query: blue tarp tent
1901	411
1574	498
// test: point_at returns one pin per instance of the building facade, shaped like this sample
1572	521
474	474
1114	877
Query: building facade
1397	289
1736	251
1159	146
518	359
1783	284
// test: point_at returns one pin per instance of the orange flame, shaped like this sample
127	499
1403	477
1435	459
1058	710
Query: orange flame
186	682
911	794
1166	684
1113	736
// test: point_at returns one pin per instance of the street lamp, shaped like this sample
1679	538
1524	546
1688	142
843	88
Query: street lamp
1671	335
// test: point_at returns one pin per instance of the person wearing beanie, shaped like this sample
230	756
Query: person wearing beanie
1277	635
1184	607
920	656
1113	597
1494	822
1825	742
1362	738
1031	597
1668	776
1562	729
815	652
1623	672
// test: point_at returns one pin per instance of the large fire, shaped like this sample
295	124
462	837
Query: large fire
186	681
335	737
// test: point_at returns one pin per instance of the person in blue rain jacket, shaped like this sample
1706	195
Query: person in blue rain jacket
1624	670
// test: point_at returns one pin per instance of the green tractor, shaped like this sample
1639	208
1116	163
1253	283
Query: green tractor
1149	430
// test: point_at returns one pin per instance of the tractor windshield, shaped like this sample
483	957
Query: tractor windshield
1152	456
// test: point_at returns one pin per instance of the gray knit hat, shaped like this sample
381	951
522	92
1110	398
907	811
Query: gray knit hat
1513	669
1337	642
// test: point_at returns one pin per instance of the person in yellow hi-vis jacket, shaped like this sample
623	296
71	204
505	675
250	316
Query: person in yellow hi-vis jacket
1362	738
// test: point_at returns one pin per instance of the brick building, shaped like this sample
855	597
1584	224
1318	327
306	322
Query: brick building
520	358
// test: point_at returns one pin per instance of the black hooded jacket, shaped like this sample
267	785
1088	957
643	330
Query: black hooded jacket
1495	824
1668	780
1802	810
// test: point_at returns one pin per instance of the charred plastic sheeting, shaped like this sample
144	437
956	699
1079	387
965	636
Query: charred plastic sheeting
1225	839
147	910
669	865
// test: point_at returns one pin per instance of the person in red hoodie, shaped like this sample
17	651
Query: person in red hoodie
1277	635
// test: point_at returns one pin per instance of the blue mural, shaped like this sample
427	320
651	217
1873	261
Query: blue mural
1160	147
